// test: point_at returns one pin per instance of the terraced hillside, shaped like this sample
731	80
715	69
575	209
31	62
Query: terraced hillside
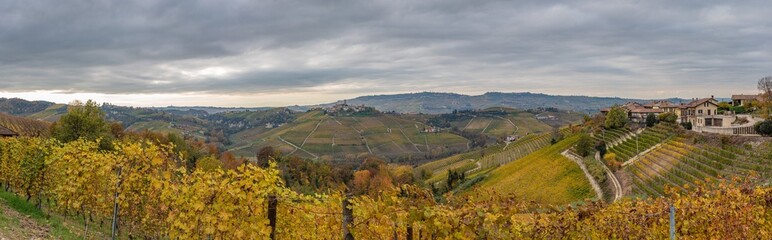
650	137
613	137
677	163
24	126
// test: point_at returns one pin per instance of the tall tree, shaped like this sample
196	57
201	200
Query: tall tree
81	121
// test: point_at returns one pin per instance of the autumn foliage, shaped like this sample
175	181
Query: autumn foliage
159	198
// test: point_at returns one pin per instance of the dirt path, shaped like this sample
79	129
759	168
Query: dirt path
297	148
19	226
513	124
467	124
578	160
486	126
479	166
618	193
312	132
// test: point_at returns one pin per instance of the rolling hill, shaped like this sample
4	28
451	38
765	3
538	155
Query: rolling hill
397	137
435	103
24	126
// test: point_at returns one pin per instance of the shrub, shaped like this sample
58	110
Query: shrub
668	117
584	146
764	128
617	118
651	120
687	125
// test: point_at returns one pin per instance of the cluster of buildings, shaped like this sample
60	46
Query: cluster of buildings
702	113
344	107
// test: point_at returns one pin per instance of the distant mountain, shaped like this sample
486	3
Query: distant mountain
209	110
433	103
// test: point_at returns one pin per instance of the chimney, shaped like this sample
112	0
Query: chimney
711	96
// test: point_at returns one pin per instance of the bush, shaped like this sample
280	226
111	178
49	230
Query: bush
617	118
764	128
651	120
687	125
668	117
584	146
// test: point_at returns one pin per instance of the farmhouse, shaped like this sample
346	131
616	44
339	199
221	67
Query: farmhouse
701	113
637	112
5	132
743	99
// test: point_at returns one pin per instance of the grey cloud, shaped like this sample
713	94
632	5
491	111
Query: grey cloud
149	46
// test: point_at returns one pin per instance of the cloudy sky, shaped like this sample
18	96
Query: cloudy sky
285	52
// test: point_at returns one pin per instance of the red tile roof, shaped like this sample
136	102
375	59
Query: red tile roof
745	97
7	132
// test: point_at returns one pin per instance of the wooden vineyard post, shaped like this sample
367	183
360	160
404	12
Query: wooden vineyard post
272	215
409	231
672	222
348	218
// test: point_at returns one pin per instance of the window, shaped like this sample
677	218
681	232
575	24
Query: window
699	111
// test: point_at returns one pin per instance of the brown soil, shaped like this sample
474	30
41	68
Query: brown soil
27	228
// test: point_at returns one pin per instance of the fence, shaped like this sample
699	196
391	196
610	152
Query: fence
727	131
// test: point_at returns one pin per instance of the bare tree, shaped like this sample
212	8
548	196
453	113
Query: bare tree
765	86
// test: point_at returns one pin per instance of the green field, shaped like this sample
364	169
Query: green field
544	176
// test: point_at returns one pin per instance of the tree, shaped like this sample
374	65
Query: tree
764	128
651	119
668	117
585	145
617	118
765	86
265	155
601	147
81	121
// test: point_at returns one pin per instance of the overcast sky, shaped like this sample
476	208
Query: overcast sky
284	52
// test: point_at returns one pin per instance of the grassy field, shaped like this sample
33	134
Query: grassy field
544	176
